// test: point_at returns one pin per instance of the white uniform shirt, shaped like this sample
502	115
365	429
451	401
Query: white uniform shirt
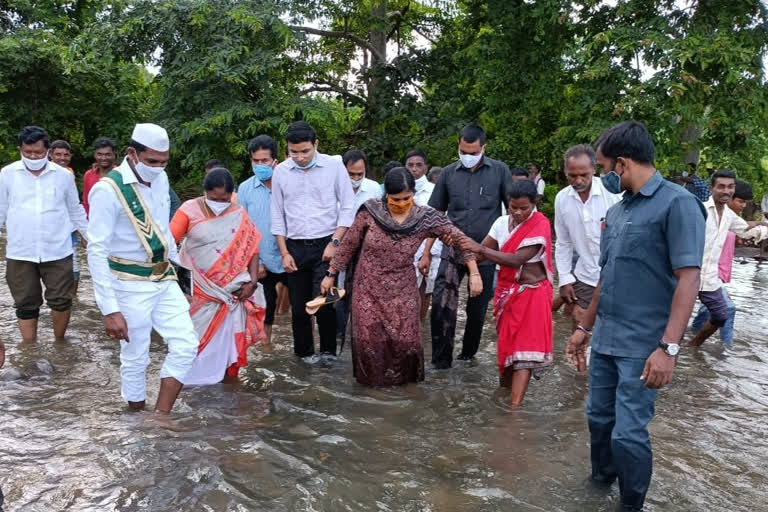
424	189
369	189
717	232
540	184
110	233
578	226
39	212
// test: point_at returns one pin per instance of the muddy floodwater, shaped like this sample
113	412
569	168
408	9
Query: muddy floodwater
302	438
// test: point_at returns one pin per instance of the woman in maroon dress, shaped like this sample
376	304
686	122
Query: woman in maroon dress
378	252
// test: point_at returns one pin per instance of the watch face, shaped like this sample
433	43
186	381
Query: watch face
673	349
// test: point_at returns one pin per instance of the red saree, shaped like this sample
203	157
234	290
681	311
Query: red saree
523	312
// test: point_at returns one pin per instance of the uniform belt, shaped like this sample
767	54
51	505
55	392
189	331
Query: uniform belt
130	270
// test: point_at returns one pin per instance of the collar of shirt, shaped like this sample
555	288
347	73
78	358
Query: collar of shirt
257	184
49	167
595	190
322	160
369	185
647	190
127	172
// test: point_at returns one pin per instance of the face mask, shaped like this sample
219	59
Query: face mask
685	174
34	165
398	208
310	165
356	184
469	161
262	172
612	182
217	207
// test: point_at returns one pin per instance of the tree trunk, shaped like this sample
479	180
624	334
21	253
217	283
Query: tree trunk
378	39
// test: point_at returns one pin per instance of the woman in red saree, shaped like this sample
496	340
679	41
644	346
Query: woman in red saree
221	248
521	243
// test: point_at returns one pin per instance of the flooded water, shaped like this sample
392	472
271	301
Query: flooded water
310	439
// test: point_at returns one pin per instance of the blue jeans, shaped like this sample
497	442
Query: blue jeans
619	409
726	331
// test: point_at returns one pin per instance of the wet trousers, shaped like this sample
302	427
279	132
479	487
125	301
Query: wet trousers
619	408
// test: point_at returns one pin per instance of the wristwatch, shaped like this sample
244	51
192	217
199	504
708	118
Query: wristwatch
672	349
336	242
328	273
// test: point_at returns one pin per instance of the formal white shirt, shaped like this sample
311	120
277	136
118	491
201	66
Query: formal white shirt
110	233
717	231
578	226
369	189
311	204
424	189
39	212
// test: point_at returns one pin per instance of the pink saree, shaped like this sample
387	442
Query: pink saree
219	249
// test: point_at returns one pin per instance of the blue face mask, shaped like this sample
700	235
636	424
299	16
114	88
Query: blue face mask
309	165
612	182
262	172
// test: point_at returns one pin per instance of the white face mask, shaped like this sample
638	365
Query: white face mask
34	165
148	173
356	184
217	207
469	161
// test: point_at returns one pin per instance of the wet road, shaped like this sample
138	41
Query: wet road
311	439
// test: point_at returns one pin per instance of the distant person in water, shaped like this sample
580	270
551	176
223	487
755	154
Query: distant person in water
741	196
521	243
721	221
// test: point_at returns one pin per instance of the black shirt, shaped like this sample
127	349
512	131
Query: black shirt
472	199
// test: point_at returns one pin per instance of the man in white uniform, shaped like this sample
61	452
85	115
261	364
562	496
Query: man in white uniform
129	258
579	212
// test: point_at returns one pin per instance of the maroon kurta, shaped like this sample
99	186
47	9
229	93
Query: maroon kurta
385	302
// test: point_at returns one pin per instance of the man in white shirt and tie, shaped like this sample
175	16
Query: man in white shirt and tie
579	212
129	257
40	209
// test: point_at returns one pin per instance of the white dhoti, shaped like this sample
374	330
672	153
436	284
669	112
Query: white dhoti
437	249
165	309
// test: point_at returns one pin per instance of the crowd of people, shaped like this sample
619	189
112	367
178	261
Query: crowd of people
632	252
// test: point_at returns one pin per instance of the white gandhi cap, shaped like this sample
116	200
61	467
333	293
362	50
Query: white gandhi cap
151	135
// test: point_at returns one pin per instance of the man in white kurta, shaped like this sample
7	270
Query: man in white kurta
133	305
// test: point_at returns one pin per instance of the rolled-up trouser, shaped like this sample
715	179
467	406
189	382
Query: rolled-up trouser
717	306
167	310
726	331
24	277
619	408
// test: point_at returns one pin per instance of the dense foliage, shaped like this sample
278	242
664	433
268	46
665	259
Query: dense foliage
390	75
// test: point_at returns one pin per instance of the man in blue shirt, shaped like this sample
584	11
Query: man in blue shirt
650	255
255	195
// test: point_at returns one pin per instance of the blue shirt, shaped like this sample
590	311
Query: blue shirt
647	237
699	188
256	198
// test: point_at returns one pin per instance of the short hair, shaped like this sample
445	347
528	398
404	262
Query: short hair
61	144
723	173
300	131
138	146
472	133
578	150
416	152
743	191
355	155
219	177
263	142
389	166
519	171
434	173
103	142
629	139
33	135
399	180
523	188
537	165
213	163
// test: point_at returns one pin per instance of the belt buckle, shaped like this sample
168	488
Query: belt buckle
160	269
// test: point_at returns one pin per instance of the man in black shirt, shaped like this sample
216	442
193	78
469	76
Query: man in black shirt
471	191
